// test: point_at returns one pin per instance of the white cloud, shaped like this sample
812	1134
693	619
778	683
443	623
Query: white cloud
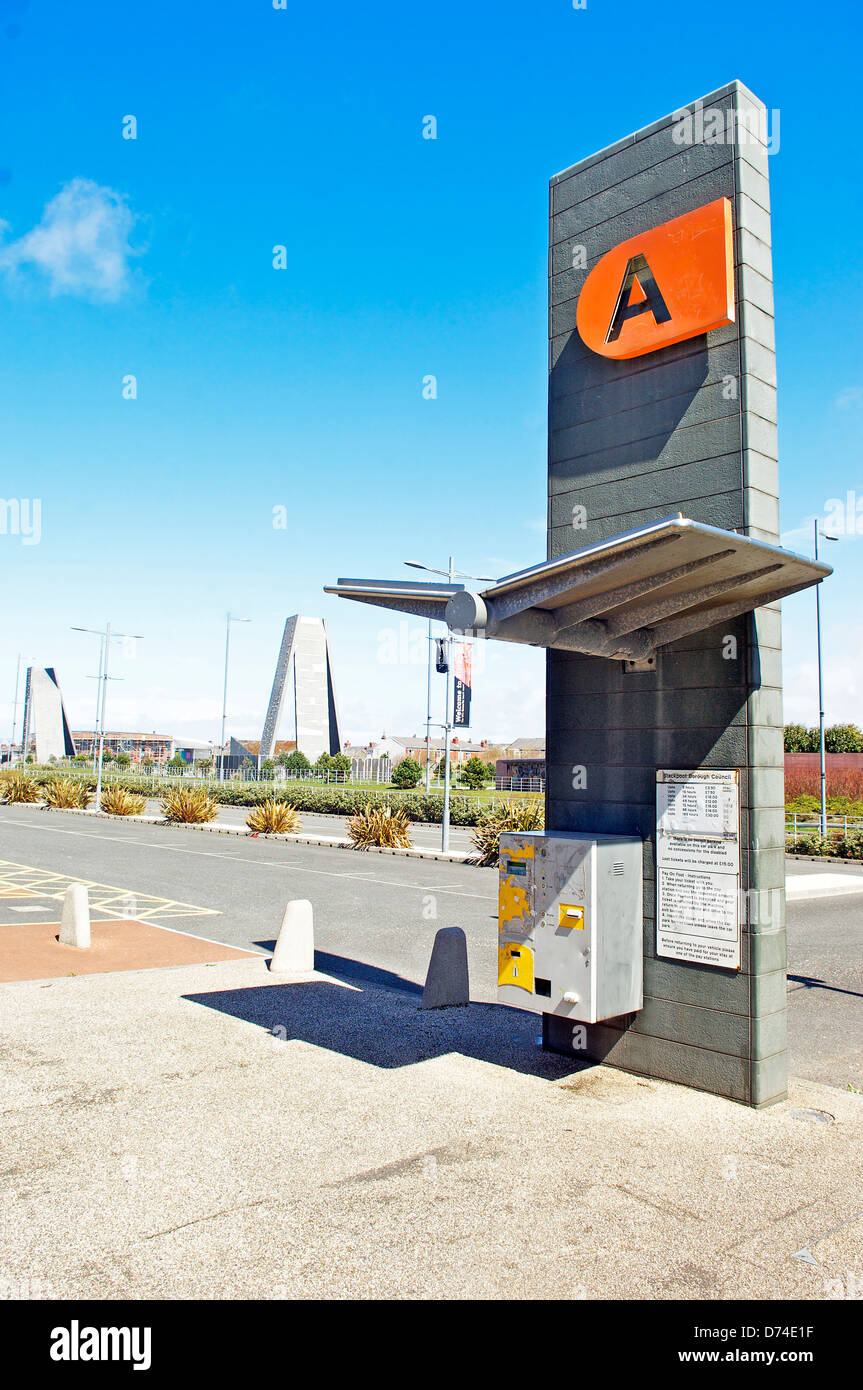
81	245
852	395
799	537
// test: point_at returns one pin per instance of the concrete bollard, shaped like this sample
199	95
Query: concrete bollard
447	984
295	948
75	921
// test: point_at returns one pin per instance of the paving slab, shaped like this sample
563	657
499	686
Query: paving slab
202	1132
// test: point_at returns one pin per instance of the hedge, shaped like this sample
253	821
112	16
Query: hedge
333	800
835	846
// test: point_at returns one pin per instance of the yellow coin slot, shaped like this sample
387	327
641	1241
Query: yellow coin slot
515	965
571	916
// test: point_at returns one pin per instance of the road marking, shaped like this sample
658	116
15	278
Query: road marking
803	886
235	858
104	897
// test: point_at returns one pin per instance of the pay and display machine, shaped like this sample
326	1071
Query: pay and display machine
570	924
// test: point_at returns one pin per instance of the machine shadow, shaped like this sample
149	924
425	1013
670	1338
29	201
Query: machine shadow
375	1017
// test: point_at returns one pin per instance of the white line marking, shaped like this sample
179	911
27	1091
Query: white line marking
265	863
211	941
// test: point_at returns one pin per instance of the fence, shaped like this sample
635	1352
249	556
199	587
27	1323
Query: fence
810	824
360	775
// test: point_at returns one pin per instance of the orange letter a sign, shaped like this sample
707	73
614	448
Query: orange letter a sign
672	282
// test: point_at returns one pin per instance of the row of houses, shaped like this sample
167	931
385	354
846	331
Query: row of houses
159	748
397	747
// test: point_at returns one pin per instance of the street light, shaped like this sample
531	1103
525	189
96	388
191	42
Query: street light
228	620
824	536
15	717
449	574
107	638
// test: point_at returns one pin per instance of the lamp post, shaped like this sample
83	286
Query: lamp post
450	575
107	637
15	714
98	700
228	620
428	710
824	536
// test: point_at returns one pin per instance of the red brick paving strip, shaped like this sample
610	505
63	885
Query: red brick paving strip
31	951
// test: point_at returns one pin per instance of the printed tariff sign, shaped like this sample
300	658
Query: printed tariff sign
698	866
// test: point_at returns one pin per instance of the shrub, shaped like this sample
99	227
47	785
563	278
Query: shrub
191	805
407	773
295	762
799	739
65	793
841	782
845	781
475	773
842	738
836	846
119	801
848	846
513	815
17	786
465	807
274	817
380	825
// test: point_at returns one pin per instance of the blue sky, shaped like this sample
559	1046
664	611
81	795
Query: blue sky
259	388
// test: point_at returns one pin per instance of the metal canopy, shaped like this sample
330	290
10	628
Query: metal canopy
623	598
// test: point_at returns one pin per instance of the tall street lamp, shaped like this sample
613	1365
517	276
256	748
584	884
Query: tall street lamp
824	536
229	618
449	574
107	638
15	717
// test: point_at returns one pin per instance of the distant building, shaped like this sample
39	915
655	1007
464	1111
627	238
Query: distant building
305	650
397	747
460	750
515	771
158	747
194	752
46	730
522	747
282	745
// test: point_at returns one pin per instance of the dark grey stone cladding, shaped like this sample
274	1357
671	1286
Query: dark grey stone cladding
689	428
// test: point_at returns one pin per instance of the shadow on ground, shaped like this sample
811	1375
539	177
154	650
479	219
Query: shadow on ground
375	1017
813	982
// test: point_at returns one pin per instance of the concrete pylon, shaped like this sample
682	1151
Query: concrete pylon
75	921
295	948
447	984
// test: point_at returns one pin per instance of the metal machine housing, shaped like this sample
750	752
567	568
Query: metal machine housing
570	924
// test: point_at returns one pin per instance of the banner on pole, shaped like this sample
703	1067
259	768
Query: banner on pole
440	661
462	673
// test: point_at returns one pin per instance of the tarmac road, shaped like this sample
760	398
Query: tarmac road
379	910
380	913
